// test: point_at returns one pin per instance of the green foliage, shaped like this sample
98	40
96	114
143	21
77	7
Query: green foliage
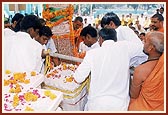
56	18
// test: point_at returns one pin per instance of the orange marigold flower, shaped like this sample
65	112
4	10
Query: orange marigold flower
33	73
7	72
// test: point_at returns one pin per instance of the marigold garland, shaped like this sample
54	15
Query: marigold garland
68	15
47	14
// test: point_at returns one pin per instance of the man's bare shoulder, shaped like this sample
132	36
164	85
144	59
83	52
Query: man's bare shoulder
144	70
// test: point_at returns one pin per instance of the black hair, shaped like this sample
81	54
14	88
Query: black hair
107	18
108	34
79	19
17	27
136	31
89	30
159	16
30	21
157	11
6	21
142	34
83	31
133	28
17	17
42	20
162	8
45	31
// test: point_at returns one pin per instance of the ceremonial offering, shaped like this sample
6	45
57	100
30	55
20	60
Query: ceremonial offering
16	82
32	99
60	78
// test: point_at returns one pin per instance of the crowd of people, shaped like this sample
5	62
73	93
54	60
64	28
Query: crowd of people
109	65
125	60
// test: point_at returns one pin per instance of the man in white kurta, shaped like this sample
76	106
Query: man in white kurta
111	20
109	67
90	40
24	53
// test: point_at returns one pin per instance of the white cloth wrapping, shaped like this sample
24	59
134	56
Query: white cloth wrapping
109	67
22	53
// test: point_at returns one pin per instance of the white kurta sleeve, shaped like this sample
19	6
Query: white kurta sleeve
51	45
137	55
83	69
135	49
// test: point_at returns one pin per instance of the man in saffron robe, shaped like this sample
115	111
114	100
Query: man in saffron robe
147	85
77	27
157	22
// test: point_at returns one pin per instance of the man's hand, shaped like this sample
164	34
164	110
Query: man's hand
45	53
